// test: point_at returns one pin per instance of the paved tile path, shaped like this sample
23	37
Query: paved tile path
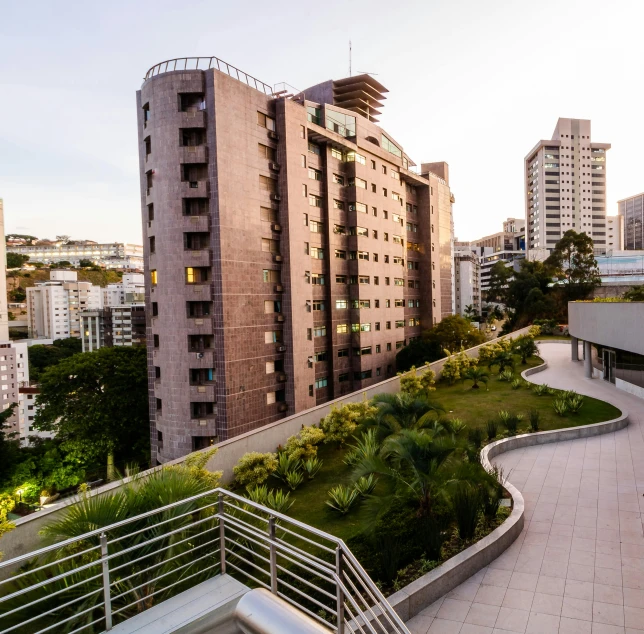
578	565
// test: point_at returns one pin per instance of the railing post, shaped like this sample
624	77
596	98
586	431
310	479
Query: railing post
222	534
273	553
339	595
105	564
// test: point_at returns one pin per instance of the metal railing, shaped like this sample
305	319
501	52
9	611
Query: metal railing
105	576
206	63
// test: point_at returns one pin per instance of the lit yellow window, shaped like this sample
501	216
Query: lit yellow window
153	277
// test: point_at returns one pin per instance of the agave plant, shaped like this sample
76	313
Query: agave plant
286	464
311	467
454	426
294	479
504	415
575	403
365	485
516	384
533	416
273	499
541	390
342	498
506	375
510	421
367	446
561	406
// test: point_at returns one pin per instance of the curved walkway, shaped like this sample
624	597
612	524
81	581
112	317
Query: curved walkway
578	565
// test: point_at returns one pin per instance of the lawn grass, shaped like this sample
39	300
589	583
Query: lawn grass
474	407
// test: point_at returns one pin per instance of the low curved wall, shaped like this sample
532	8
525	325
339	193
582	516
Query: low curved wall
421	593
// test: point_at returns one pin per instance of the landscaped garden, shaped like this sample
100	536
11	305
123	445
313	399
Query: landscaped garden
398	477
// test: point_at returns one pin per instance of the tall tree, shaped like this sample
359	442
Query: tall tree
453	333
9	446
500	276
573	263
43	356
97	404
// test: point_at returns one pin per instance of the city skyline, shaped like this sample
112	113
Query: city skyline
81	112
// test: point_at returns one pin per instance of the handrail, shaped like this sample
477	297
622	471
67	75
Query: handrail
147	556
199	63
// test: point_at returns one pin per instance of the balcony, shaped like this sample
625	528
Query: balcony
193	154
185	567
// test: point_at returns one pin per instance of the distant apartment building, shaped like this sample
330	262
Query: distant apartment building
614	233
114	255
131	289
292	248
10	358
565	188
113	326
54	307
4	310
631	210
467	279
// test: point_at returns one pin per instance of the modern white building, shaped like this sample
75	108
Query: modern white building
113	326
467	279
114	255
54	307
131	289
614	233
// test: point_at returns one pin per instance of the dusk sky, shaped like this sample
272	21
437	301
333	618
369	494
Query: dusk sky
471	83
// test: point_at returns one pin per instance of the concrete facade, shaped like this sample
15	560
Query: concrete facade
113	326
631	210
291	252
565	188
467	274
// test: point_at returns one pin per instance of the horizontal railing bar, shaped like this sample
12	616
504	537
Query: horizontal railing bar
248	550
250	539
47	565
59	623
172	519
83	627
306	539
243	572
312	563
146	583
303	553
250	563
156	552
53	594
308	583
243	510
309	612
306	596
241	525
147	596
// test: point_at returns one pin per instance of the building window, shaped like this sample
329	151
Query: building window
152	242
313	148
340	304
343	352
338	179
155	339
267	184
317	278
270	275
340	279
315	201
155	309
355	157
153	277
318	304
316	226
273	336
340	254
270	246
314	174
337	154
320	383
150	212
265	121
320	356
320	331
341	329
343	377
267	152
272	306
359	376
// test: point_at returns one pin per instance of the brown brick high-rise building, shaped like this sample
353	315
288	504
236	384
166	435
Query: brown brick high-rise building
290	250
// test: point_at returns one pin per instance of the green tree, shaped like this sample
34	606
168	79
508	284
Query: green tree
573	263
417	353
9	446
85	263
42	357
470	313
635	294
525	347
396	412
500	275
97	404
16	260
453	333
503	359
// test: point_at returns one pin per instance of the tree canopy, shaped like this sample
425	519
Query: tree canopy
635	294
43	356
97	404
417	353
16	260
453	333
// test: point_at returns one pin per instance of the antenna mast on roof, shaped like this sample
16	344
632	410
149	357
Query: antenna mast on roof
349	58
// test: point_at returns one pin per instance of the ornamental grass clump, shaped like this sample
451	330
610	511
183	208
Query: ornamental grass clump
575	403
491	428
366	446
516	384
286	464
294	479
533	417
274	499
475	436
342	498
465	500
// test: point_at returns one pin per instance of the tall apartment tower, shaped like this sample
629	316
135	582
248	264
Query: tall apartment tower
290	250
631	211
565	185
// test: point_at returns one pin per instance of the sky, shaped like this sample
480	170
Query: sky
476	84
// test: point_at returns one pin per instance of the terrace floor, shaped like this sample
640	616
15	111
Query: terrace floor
578	565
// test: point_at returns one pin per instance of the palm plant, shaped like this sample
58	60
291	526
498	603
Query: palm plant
503	359
397	412
411	464
475	436
476	375
342	498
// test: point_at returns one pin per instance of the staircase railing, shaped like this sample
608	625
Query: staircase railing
107	575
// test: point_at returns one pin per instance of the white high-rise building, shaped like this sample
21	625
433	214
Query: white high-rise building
4	311
130	290
467	273
54	307
565	188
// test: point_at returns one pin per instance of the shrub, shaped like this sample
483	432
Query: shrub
294	479
342	421
342	498
534	331
541	390
575	403
365	485
506	375
273	499
254	468
456	365
286	464
466	504
516	384
488	352
525	347
533	415
304	445
475	436
492	429
410	383
311	467
428	380
561	406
